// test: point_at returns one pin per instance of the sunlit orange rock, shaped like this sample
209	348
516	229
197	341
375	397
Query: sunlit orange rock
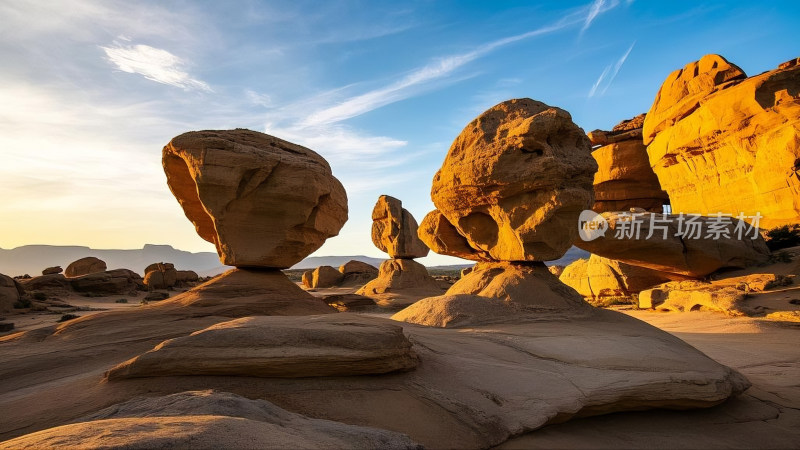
513	183
722	142
624	178
263	201
394	230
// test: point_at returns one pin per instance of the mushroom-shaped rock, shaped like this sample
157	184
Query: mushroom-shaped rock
85	266
263	201
394	230
514	182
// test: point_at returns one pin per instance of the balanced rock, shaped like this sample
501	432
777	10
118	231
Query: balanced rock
52	270
512	185
401	282
85	266
263	201
600	279
281	347
394	230
722	142
160	276
624	178
678	245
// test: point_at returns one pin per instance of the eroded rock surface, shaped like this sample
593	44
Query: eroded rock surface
675	244
317	346
263	201
601	279
394	230
401	282
722	142
512	185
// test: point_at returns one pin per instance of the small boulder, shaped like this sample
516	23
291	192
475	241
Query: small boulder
112	282
10	293
52	270
85	266
160	276
325	277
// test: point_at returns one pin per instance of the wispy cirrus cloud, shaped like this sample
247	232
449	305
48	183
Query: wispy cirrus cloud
609	74
414	81
155	64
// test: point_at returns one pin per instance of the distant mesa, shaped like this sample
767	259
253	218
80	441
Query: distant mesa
264	202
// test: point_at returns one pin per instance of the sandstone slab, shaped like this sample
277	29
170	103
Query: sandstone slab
263	201
314	346
206	420
680	245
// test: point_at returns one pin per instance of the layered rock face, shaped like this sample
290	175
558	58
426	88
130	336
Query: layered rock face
279	347
624	178
512	186
722	142
678	245
85	266
400	280
264	202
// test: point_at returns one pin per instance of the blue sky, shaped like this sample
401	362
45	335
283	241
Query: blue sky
90	91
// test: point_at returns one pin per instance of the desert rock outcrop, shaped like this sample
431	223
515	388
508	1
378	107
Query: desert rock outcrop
401	280
601	279
160	276
512	185
320	346
264	202
52	270
676	244
85	266
394	230
111	282
322	277
10	293
722	142
624	178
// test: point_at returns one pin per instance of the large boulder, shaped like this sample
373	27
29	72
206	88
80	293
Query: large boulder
600	279
206	419
353	267
394	230
401	282
324	277
10	293
160	276
624	178
513	184
85	266
722	142
112	282
263	201
279	347
675	246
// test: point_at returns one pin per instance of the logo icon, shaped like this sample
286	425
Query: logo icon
591	225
